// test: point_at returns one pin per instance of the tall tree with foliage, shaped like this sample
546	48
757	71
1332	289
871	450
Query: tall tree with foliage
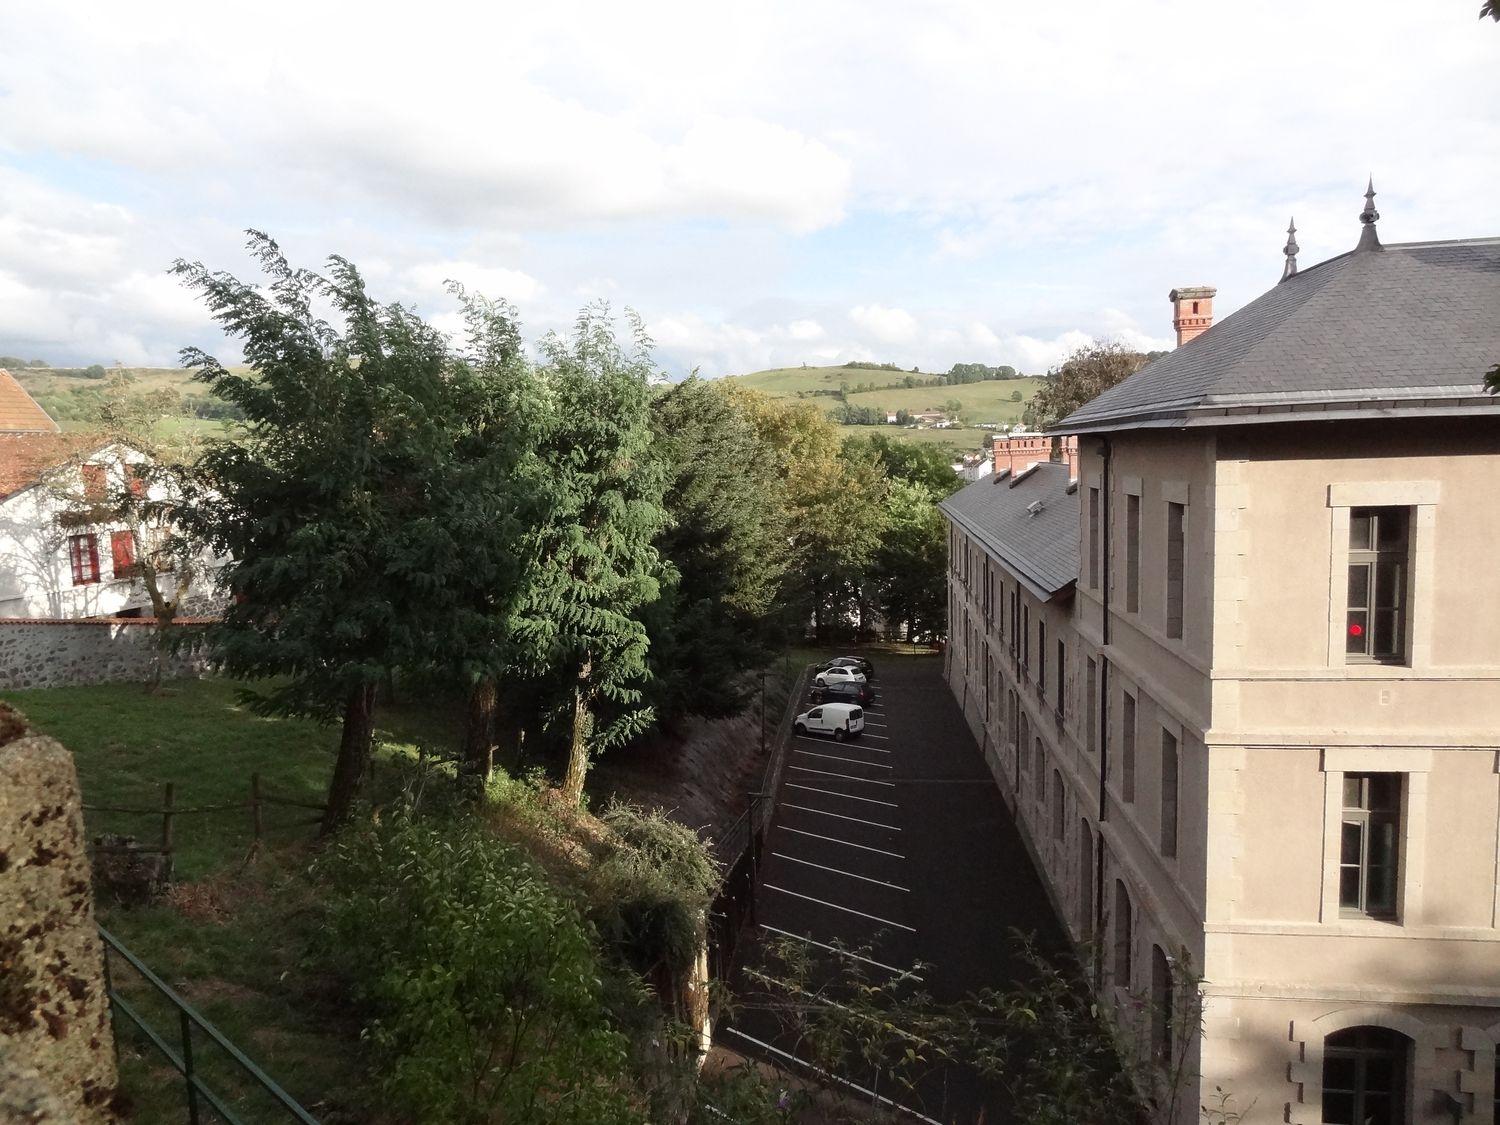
723	550
910	567
1086	374
323	500
834	502
919	463
579	626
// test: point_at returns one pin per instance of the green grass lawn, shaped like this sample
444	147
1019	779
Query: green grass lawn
234	936
989	401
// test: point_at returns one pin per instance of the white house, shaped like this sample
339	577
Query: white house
47	569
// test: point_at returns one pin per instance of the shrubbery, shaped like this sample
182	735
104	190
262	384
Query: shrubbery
480	982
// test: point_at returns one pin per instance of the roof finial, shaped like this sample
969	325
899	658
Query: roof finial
1290	250
1368	239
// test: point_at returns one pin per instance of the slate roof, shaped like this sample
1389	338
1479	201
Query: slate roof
19	412
1401	330
1040	549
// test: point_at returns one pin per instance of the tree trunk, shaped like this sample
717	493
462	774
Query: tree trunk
578	753
353	759
479	734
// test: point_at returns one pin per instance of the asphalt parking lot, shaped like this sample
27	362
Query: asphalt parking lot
897	845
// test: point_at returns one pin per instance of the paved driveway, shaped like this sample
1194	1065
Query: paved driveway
898	844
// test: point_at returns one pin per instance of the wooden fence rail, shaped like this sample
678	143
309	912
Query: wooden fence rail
169	811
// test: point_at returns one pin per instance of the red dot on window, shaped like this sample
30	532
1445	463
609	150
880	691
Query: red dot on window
1356	630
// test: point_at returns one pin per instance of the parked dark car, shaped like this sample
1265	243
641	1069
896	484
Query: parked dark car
850	662
862	694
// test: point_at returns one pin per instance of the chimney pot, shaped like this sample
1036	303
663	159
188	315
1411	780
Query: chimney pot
1192	311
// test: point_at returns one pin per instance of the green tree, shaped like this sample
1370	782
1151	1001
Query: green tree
923	464
579	627
834	506
723	550
911	562
95	371
322	501
1086	374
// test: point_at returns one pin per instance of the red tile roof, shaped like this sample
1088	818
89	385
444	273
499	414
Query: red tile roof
19	412
25	457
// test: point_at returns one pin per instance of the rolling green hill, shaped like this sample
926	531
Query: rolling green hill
985	402
69	394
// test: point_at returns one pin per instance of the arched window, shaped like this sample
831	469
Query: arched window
1162	1002
1059	826
1123	936
1364	1077
1041	773
1086	877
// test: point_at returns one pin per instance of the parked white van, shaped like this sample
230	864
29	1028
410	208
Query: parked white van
842	720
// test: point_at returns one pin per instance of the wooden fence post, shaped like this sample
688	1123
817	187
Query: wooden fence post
255	813
166	818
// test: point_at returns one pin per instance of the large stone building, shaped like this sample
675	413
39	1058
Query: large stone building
1240	683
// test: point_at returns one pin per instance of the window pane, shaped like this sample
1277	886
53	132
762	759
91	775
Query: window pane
1349	887
1338	1073
1350	842
1385	641
1359	626
1389	584
1359	586
1385	791
1380	1075
1352	791
1338	1109
1361	532
1391	529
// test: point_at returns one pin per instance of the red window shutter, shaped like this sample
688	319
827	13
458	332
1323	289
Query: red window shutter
75	556
122	546
93	482
83	554
134	482
93	541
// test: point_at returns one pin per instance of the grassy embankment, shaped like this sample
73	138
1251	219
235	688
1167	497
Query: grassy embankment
64	393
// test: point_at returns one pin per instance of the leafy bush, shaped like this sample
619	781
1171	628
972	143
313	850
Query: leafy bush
480	984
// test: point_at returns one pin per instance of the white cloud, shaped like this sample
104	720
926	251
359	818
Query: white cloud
494	282
805	329
887	325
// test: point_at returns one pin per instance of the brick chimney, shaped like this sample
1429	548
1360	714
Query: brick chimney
1192	311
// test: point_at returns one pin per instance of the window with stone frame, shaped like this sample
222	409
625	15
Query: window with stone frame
1369	845
1364	1077
1377	625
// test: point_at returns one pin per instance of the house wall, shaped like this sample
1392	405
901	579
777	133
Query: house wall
36	574
1269	718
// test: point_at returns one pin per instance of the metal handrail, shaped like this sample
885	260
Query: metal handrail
188	1017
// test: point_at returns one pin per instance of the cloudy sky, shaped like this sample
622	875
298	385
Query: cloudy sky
768	183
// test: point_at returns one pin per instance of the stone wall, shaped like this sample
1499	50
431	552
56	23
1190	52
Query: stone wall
54	1012
38	653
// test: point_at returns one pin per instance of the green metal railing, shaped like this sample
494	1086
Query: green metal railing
199	1095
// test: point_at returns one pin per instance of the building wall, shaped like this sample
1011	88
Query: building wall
36	574
1268	718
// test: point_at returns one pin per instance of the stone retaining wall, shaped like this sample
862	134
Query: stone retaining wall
54	1013
39	653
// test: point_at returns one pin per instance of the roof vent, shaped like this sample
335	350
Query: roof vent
1034	508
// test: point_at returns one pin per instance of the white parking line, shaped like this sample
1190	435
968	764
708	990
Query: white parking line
839	816
843	776
845	745
842	952
851	761
845	909
841	871
882	726
845	796
882	737
836	840
831	1077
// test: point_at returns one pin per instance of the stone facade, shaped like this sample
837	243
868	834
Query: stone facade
54	1011
44	653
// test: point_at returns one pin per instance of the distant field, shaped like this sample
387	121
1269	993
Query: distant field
64	393
982	402
787	381
961	439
